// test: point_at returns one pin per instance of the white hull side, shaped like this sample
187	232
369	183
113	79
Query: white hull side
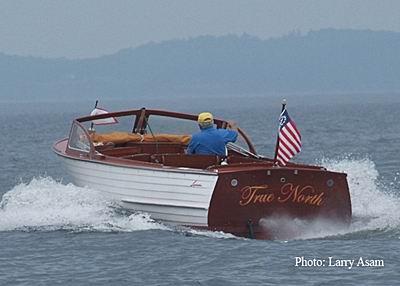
176	197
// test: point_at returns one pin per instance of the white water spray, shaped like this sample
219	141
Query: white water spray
375	205
44	204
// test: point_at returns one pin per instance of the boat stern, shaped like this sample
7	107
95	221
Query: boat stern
267	203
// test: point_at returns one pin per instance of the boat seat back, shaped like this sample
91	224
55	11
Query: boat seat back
121	151
160	147
188	160
139	157
141	148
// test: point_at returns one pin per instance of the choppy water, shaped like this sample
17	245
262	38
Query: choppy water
53	232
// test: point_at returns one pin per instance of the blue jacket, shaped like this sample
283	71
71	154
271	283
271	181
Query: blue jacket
211	141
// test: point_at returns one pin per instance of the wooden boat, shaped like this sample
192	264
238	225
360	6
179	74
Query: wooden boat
238	194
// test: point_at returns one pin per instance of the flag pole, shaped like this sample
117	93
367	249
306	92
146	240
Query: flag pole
277	136
92	124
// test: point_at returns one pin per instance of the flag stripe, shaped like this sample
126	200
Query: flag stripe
295	130
293	133
290	140
285	152
284	147
283	163
283	158
293	136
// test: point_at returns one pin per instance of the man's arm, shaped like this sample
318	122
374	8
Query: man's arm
232	134
192	146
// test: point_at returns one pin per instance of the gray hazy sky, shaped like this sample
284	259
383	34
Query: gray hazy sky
90	28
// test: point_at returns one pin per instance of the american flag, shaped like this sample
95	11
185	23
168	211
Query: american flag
289	139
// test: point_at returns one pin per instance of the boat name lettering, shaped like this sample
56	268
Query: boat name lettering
302	195
288	192
251	195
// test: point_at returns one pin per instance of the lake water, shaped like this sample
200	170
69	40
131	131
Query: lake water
53	232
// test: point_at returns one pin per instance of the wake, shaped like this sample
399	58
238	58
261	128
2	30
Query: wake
47	205
44	204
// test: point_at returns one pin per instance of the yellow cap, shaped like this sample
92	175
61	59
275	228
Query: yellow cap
205	118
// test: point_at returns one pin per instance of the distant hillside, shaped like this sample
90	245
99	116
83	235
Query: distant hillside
326	60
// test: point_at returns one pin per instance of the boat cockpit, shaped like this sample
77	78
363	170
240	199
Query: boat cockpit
144	144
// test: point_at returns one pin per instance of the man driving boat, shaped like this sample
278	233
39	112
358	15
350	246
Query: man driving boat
210	140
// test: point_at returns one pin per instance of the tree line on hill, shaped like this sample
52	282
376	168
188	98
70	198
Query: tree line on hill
327	60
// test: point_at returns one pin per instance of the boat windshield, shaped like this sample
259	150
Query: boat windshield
169	125
177	126
78	139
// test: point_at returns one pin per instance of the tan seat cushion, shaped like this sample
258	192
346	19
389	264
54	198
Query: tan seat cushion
124	137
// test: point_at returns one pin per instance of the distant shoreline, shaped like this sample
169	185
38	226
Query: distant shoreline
325	62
